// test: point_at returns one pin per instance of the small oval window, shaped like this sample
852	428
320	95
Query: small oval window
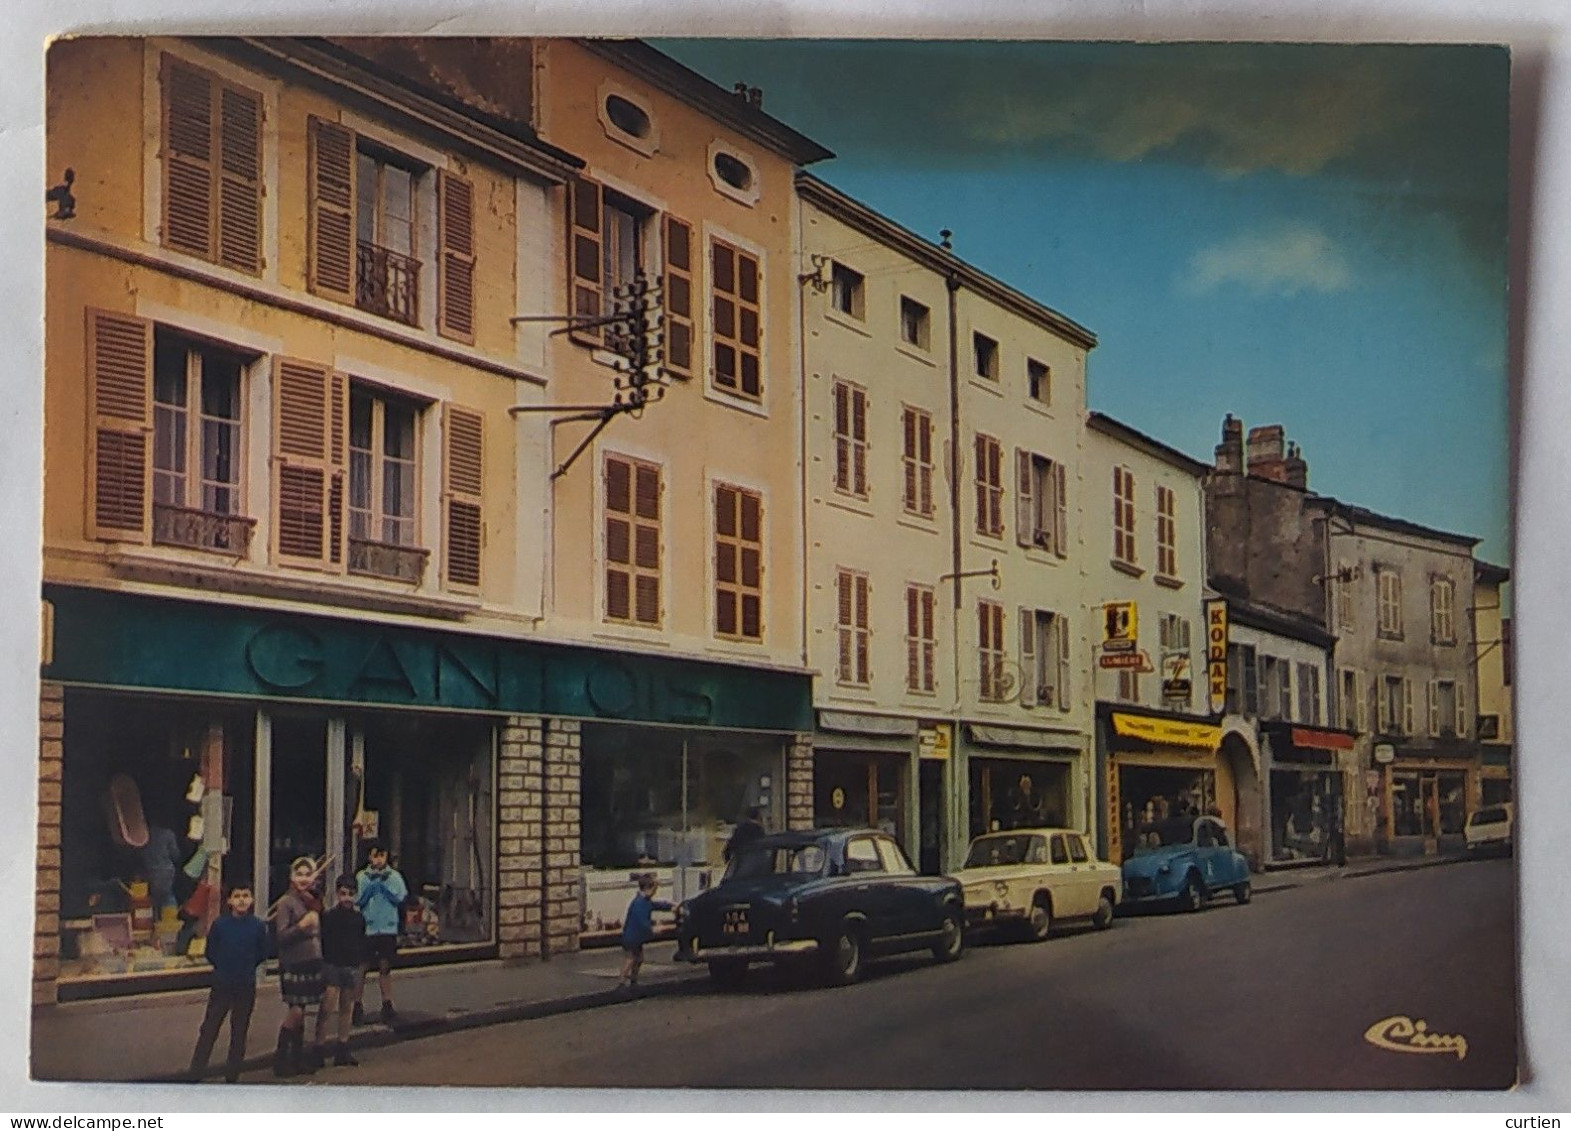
626	117
733	172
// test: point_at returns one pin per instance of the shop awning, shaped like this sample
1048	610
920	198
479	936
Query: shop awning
1322	739
1167	732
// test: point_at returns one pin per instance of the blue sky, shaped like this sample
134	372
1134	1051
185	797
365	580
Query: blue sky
1310	236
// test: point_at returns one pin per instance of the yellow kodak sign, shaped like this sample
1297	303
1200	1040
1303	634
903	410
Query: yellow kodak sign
1216	655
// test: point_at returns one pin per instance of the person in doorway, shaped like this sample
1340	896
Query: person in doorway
343	957
236	945
380	898
638	928
298	920
747	831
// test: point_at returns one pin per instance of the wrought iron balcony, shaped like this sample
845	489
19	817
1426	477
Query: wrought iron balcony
202	530
387	283
381	559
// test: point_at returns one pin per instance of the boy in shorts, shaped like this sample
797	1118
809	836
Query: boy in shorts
638	928
380	898
343	955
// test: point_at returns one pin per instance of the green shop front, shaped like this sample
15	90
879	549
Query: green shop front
208	744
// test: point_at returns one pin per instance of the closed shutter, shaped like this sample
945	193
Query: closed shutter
1434	709
679	327
859	443
1060	512
913	638
455	251
843	619
1027	655
908	425
929	648
463	478
310	417
1061	637
120	366
240	180
863	633
1407	705
1383	699
1023	498
1461	711
1360	702
332	210
188	159
925	461
585	238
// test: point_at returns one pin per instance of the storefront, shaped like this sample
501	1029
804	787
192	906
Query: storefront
1427	804
1307	798
1157	767
1019	778
862	773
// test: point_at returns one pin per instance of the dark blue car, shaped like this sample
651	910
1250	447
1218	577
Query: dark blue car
825	898
1184	861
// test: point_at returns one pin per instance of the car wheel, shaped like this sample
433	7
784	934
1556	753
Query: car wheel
1192	898
1039	923
1241	892
1102	919
844	960
951	939
728	975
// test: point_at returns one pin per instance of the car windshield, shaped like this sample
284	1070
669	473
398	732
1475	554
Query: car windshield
781	860
1161	834
1488	817
1004	850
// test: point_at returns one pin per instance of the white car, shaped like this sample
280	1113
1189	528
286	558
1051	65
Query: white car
1488	829
1027	879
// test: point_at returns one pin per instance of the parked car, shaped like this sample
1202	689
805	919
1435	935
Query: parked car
1489	829
1184	861
1025	880
830	897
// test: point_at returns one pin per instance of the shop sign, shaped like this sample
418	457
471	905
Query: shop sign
1385	753
1321	739
1120	626
1168	732
1216	655
1175	676
934	741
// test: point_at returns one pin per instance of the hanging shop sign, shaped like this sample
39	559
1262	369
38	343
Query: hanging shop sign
1385	753
1167	732
1176	683
1216	655
1120	626
934	741
1136	661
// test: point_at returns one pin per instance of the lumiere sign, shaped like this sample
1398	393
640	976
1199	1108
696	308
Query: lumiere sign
1216	655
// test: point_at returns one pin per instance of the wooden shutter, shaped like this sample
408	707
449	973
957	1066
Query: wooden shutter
120	403
463	478
1060	512
863	631
925	461
1407	705
1360	702
1023	499
1434	709
859	442
240	180
1461	711
913	638
455	257
843	621
1387	724
585	219
188	159
929	647
679	326
332	210
310	438
1027	654
1061	636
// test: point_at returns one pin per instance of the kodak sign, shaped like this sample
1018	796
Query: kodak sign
1216	655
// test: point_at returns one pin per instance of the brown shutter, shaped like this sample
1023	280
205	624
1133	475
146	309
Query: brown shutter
1024	516
332	210
679	327
240	180
188	159
463	479
859	445
1061	636
455	252
1027	658
585	214
1060	512
120	391
646	543
309	441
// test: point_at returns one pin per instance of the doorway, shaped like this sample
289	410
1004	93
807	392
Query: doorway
930	804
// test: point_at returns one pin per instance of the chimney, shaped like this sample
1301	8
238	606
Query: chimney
1230	452
1295	469
1266	457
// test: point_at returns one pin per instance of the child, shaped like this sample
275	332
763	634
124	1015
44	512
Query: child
343	954
638	928
299	923
380	898
236	946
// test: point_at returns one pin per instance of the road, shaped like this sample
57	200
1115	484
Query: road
1277	994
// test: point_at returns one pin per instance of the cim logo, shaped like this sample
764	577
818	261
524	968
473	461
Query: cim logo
1403	1034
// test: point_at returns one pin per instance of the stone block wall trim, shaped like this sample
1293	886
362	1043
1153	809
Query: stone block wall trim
46	896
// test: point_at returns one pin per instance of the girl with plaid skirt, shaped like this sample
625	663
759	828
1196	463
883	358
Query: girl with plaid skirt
299	925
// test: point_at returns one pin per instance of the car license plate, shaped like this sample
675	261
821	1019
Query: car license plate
734	921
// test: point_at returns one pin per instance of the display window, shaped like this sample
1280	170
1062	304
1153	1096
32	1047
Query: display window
859	790
1150	795
1305	812
1428	803
1009	793
156	817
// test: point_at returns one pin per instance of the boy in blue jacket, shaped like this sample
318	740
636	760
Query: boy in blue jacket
236	946
380	898
638	927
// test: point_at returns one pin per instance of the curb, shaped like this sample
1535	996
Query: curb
1411	865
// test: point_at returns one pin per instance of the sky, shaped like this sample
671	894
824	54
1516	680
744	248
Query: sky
1312	236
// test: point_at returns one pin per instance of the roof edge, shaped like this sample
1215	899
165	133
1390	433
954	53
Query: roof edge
1117	429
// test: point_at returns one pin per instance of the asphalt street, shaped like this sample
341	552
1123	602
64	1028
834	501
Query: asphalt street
1277	994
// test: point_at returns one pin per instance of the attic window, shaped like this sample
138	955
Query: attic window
626	117
733	172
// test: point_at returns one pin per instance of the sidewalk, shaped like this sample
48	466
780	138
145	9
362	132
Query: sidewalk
150	1037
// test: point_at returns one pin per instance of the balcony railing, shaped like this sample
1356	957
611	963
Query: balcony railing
387	283
202	530
380	559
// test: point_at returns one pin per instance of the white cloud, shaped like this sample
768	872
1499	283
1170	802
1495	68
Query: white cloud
1284	261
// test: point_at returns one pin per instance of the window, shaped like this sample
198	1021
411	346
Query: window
1039	381
733	171
212	168
739	564
627	117
1395	705
1350	702
1166	533
1389	585
1173	634
1060	854
1309	694
197	451
1128	685
862	857
1124	516
850	439
853	625
989	486
990	651
985	351
916	457
1442	600
383	485
632	541
622	249
736	316
387	270
1041	510
1344	596
1044	659
1242	680
1077	850
914	323
893	859
1447	709
921	639
846	291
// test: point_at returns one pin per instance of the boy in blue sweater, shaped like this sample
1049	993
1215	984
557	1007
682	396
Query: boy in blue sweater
236	946
638	928
380	898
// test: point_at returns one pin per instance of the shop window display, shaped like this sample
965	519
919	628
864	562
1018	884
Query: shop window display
1305	808
1154	795
859	791
1008	794
156	817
